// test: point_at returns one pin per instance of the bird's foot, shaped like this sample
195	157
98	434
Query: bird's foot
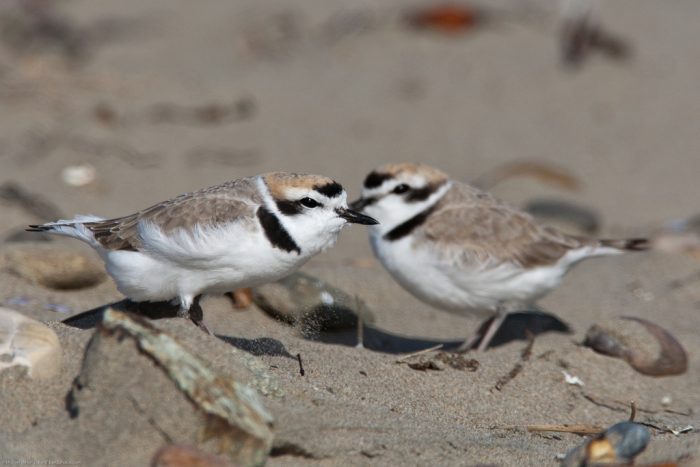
240	298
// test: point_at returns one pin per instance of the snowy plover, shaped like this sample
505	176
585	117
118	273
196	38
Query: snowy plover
238	234
461	249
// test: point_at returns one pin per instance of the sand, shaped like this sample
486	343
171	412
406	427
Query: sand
338	88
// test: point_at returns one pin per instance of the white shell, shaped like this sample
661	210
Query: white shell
79	175
30	343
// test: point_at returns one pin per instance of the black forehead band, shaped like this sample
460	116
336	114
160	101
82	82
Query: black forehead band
375	179
331	189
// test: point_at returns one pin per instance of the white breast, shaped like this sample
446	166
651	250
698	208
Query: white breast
215	260
459	286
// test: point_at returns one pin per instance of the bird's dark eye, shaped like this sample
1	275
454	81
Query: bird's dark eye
403	188
309	202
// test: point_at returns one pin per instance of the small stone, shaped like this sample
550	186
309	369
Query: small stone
618	445
458	361
647	347
30	343
424	365
79	175
52	266
314	305
175	455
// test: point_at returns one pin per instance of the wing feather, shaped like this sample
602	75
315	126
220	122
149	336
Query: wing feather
477	226
221	204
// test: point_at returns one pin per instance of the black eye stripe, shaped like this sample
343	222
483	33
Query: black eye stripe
421	194
288	208
401	188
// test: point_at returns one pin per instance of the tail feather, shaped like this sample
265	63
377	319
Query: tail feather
38	228
627	244
70	228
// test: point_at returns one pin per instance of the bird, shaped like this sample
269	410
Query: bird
462	250
240	233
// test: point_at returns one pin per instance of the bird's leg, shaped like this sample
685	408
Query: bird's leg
240	298
484	339
197	315
491	331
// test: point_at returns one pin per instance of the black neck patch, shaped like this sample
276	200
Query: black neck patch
375	179
331	189
287	207
409	226
275	232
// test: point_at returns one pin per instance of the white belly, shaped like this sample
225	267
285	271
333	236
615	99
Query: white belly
184	267
461	287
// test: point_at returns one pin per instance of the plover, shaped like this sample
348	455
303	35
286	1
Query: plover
463	250
238	234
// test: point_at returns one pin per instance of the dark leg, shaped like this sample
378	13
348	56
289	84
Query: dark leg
197	315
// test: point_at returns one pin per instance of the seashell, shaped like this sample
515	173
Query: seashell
30	343
52	266
79	175
647	347
618	445
311	303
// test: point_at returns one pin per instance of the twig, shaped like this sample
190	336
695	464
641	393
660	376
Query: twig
527	351
515	371
580	429
608	404
360	324
420	352
301	366
668	429
601	403
633	410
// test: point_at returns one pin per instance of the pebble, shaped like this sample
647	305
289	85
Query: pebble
311	303
79	175
30	343
53	266
646	346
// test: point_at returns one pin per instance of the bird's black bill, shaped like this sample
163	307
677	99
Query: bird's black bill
360	204
355	217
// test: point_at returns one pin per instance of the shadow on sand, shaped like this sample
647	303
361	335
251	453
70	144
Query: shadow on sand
515	327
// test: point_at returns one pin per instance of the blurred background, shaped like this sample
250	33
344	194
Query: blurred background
108	107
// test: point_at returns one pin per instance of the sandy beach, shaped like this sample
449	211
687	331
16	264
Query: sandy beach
144	100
